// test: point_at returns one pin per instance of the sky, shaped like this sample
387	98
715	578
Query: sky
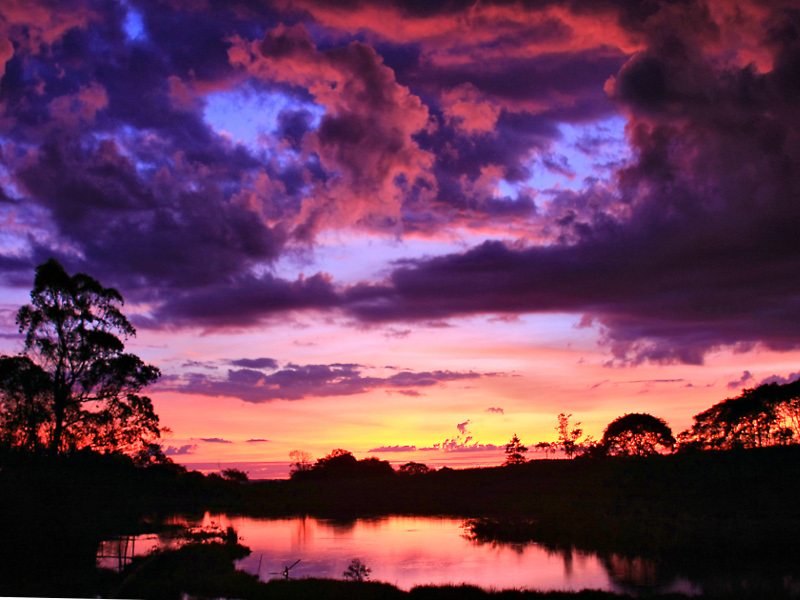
412	229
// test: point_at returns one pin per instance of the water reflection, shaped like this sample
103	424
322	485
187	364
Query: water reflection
410	551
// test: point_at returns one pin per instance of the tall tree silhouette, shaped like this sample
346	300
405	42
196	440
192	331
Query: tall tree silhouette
637	434
515	451
568	436
73	385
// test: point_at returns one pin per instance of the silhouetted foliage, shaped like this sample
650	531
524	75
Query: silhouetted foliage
637	434
341	464
357	571
568	436
548	447
515	451
235	475
768	415
74	386
301	461
414	468
26	412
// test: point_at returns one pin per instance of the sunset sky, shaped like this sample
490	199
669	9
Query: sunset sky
411	229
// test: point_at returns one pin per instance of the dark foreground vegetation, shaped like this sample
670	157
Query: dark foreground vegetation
734	509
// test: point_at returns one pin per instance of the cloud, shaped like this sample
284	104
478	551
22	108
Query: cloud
411	393
738	384
256	441
256	363
296	382
462	427
386	449
365	136
416	119
216	440
779	380
180	451
496	410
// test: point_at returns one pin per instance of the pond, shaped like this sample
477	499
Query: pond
409	551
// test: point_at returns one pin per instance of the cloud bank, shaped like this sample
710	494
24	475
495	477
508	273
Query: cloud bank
417	120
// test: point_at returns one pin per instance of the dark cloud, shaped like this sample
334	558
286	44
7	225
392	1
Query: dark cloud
697	253
295	382
216	440
180	451
244	300
109	164
257	441
256	363
740	383
779	380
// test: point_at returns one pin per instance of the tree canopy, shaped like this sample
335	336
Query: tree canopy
341	464
767	415
637	434
73	386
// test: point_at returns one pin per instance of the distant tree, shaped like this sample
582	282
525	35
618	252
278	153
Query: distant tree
73	386
413	468
637	434
515	451
568	436
374	467
235	475
301	461
548	448
341	464
764	416
357	571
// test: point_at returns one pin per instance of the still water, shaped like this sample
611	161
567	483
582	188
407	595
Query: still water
411	551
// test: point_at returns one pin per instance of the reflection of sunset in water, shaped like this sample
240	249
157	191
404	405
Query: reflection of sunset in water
410	551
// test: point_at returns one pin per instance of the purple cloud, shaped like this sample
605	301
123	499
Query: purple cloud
111	163
780	380
738	384
180	451
495	409
295	382
256	363
216	440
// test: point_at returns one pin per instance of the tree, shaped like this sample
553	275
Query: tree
637	434
301	461
764	416
547	447
515	451
568	436
357	571
236	475
73	386
413	468
25	410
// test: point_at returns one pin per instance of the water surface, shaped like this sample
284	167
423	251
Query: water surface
410	551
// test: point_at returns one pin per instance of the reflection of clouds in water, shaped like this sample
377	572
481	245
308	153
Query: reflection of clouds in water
412	551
